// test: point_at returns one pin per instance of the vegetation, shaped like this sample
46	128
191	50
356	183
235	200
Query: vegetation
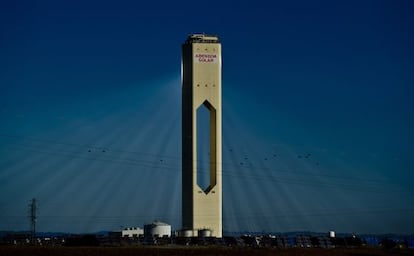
190	250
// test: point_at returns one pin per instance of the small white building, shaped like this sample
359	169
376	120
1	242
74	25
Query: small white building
157	229
132	232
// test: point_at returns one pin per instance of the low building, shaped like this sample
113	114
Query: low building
132	232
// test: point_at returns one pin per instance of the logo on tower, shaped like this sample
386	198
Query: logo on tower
205	57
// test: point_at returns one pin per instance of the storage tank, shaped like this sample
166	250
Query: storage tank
204	233
157	229
186	233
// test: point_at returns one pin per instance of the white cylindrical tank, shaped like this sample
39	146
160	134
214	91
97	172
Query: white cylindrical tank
204	233
332	234
186	233
157	229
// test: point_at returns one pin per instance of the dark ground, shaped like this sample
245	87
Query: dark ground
165	250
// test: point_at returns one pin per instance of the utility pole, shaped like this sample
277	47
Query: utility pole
33	219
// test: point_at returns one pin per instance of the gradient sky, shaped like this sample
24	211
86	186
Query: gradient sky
317	113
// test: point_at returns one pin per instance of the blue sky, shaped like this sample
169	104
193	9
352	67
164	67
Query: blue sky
317	113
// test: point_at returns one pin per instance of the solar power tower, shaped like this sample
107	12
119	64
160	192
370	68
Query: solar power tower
201	88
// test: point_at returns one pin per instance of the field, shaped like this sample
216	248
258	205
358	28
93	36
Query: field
193	250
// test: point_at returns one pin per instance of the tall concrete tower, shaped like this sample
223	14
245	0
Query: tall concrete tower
201	88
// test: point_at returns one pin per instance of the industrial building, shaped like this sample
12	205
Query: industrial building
201	88
132	232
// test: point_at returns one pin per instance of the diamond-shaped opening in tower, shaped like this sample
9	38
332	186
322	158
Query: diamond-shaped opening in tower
206	146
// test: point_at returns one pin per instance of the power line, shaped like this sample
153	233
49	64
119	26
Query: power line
226	172
331	212
162	157
241	165
106	155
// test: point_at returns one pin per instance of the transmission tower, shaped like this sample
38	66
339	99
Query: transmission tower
33	219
